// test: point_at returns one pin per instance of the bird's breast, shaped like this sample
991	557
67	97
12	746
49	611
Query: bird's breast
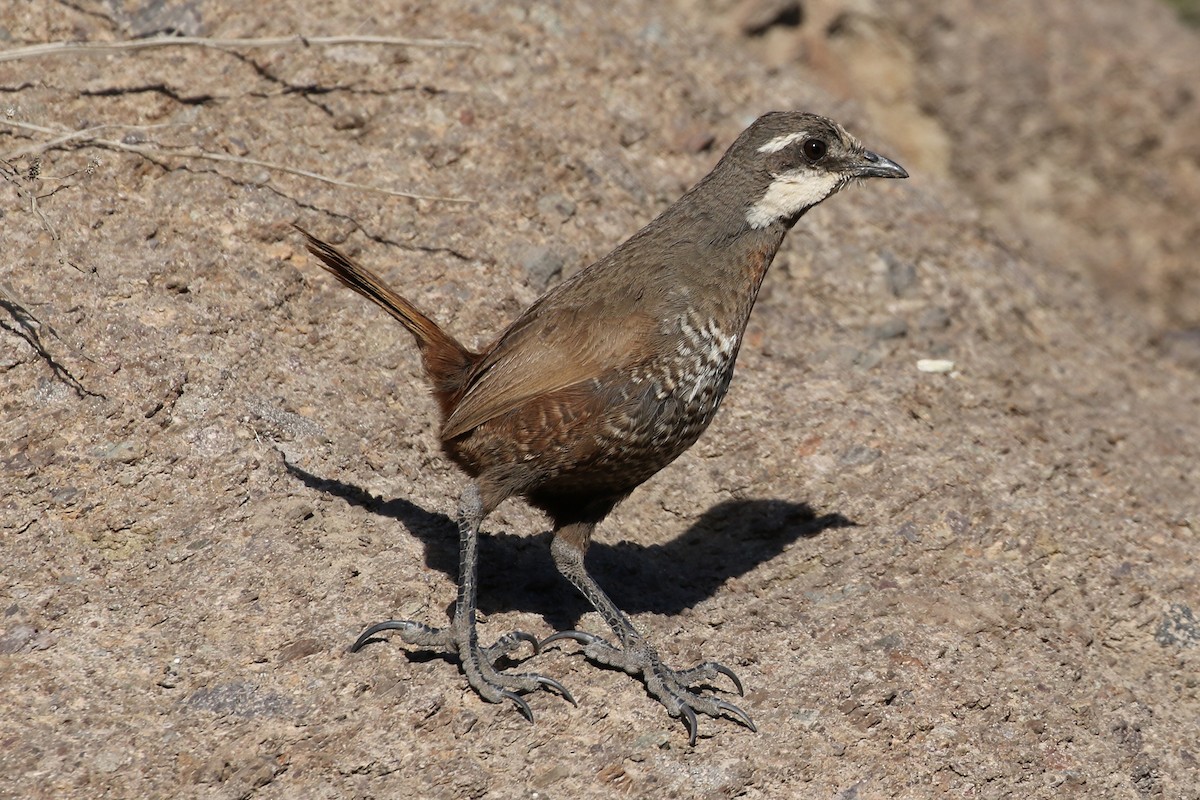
673	396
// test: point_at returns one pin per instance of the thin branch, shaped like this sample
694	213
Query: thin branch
85	137
65	48
10	175
33	206
64	135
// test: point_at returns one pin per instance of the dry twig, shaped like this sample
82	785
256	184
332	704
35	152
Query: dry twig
66	48
86	137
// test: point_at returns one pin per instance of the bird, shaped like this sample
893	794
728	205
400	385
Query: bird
606	379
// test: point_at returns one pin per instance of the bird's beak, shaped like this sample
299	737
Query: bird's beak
874	165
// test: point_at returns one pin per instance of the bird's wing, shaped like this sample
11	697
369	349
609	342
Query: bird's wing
545	352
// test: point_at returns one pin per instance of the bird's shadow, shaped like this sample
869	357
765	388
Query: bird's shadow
516	572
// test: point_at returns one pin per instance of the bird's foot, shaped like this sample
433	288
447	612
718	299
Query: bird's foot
478	663
673	688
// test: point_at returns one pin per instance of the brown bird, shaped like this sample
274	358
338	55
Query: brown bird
608	378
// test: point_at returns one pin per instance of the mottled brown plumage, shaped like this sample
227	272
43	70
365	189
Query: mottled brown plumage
609	377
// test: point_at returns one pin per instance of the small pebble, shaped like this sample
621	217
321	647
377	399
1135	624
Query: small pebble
935	365
556	206
901	275
933	319
894	328
542	265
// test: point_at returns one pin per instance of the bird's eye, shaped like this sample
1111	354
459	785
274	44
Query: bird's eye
814	149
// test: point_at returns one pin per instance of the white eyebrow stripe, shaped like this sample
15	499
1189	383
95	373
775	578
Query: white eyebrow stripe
779	142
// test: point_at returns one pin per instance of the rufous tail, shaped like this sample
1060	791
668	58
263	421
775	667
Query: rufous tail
446	361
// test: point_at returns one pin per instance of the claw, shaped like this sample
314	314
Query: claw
522	636
558	687
522	706
728	673
689	720
737	713
579	636
508	642
378	627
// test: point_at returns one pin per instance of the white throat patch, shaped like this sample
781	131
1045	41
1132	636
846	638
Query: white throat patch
790	193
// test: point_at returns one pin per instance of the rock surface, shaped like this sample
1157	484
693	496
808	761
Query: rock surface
218	466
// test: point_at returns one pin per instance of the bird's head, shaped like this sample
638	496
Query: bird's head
795	160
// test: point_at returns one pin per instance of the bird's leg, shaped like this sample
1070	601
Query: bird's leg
673	688
461	636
